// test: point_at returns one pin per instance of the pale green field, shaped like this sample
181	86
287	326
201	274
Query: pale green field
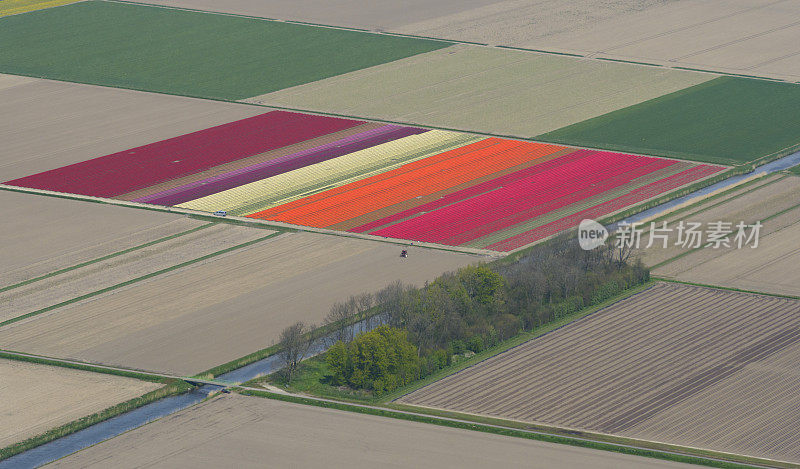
488	90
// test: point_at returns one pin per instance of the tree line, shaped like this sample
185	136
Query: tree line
421	329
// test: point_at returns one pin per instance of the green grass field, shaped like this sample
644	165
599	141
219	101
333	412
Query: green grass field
726	120
187	53
795	170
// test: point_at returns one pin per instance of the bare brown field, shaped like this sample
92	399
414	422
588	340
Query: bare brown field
505	92
217	310
633	363
238	431
747	419
56	124
42	234
35	398
97	276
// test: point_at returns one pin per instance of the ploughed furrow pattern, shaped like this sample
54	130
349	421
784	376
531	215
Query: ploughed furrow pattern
629	363
702	380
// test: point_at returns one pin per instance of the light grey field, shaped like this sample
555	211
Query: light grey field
772	267
756	37
505	92
56	124
35	398
635	367
206	314
238	431
107	273
42	234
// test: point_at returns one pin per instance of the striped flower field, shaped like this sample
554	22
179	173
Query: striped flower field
386	180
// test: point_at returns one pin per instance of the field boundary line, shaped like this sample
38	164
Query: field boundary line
256	222
767	218
590	57
718	287
137	279
504	430
104	258
143	375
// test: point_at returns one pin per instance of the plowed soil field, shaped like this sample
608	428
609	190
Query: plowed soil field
639	362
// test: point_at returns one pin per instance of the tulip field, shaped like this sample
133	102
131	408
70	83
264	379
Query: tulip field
386	180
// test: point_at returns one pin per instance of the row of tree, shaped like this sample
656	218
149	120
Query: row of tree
469	310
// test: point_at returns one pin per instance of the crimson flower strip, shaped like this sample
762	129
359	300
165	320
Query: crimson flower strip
639	195
144	166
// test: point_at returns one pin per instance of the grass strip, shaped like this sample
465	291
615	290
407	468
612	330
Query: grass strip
138	279
106	257
10	355
600	437
495	429
795	170
173	387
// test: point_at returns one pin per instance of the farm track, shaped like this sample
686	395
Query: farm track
251	294
628	365
78	282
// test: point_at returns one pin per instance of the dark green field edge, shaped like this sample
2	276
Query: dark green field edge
209	55
138	279
727	120
466	422
171	387
104	258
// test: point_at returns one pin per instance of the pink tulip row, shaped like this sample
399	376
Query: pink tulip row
593	172
638	195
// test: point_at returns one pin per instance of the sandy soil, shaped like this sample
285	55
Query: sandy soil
486	90
94	277
35	398
250	432
632	363
194	318
44	233
57	124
